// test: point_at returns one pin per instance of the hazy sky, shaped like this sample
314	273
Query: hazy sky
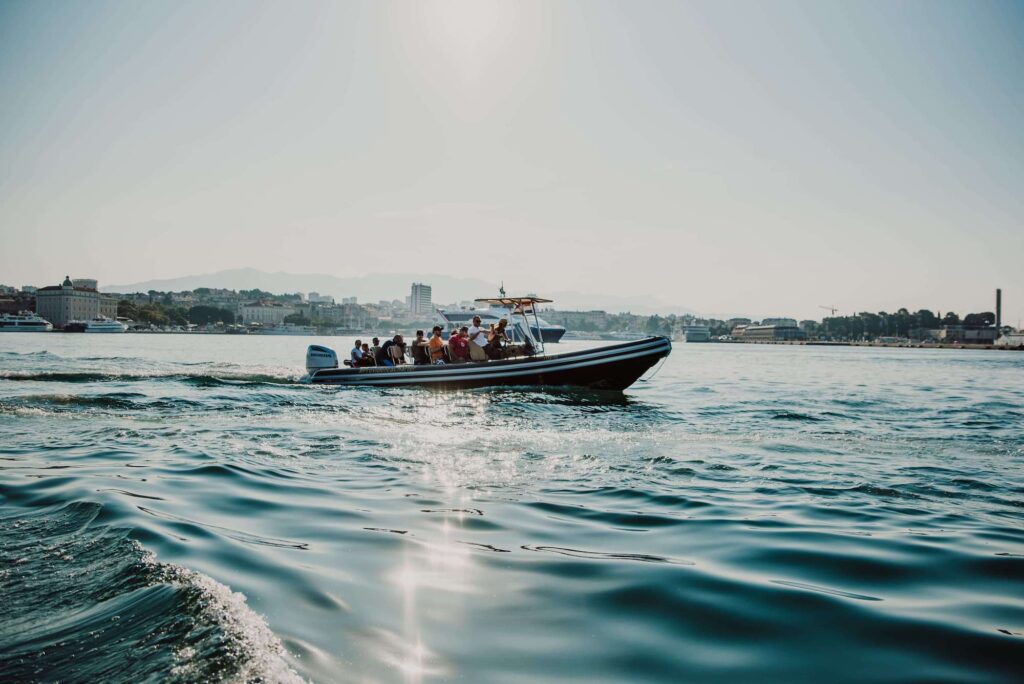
732	157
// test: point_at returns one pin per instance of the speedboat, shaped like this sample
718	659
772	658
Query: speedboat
100	324
612	367
24	321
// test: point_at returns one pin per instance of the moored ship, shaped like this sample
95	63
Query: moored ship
24	321
100	324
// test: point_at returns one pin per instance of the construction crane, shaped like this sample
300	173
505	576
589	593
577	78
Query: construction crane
832	308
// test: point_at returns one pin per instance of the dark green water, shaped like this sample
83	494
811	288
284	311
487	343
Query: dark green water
180	509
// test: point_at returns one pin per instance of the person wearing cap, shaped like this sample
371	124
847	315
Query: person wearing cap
436	345
477	341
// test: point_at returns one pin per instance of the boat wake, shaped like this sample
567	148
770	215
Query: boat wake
199	379
84	602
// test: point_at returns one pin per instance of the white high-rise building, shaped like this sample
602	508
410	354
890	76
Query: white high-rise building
419	299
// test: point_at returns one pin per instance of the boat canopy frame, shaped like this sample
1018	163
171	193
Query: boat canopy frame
519	307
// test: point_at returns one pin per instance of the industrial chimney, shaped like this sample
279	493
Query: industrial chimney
999	312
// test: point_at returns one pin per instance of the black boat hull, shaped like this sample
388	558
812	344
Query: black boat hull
549	335
614	367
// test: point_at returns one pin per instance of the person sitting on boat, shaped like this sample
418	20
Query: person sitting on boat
375	350
436	345
458	345
368	359
420	357
355	356
477	341
392	352
497	339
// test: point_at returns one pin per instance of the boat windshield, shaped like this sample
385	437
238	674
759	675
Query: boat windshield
521	310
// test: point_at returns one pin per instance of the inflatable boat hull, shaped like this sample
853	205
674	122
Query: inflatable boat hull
613	367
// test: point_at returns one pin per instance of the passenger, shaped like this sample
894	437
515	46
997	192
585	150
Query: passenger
356	355
420	357
392	352
477	341
458	345
436	346
497	339
378	355
368	359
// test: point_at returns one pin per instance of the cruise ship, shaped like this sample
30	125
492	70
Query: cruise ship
24	321
100	324
694	333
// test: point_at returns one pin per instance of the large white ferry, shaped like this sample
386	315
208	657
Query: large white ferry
24	321
100	324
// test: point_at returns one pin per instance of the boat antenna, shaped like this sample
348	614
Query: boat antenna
501	290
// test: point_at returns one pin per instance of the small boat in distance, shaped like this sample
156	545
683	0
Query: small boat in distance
613	367
100	324
24	321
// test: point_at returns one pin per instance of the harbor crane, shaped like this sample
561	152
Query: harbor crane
832	309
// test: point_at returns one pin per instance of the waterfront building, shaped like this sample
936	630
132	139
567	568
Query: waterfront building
264	313
317	298
350	316
61	304
771	333
578	320
86	283
783	322
1012	339
420	299
968	334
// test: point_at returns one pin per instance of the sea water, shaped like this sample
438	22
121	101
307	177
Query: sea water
182	508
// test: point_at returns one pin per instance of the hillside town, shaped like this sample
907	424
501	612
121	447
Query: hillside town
219	310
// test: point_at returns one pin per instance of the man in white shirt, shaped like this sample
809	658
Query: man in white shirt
477	341
356	355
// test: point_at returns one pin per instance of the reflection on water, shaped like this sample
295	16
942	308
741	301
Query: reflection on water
754	513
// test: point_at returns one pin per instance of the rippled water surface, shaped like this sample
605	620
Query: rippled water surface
181	508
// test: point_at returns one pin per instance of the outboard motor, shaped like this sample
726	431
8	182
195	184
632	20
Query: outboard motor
318	358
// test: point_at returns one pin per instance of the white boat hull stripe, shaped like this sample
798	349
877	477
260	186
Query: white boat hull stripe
435	377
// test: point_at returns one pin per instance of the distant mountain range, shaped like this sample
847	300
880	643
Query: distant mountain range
377	286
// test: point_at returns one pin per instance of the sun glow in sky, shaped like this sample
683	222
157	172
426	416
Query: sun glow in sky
738	157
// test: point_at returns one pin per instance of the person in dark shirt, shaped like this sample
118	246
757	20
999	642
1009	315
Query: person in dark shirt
420	356
393	351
